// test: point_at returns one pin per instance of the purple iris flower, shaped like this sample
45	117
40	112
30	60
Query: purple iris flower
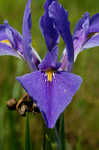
51	85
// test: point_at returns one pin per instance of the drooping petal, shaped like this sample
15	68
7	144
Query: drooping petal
30	54
92	42
80	31
60	16
51	97
86	34
50	60
7	50
94	22
92	37
10	41
83	23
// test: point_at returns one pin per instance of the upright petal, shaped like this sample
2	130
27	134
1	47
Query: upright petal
30	55
48	29
49	32
60	16
10	41
51	97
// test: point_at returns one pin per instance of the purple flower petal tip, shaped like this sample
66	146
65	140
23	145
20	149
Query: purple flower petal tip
83	23
47	3
94	21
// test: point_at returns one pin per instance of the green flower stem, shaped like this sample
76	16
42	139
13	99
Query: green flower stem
60	133
44	141
58	141
27	133
47	138
53	139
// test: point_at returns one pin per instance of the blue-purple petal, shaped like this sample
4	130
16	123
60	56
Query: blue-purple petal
63	61
49	32
86	33
17	39
7	50
92	42
47	3
80	32
92	36
51	97
31	57
94	21
50	60
60	17
10	41
83	23
94	24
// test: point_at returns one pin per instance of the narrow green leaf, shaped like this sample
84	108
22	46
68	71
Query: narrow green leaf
62	134
47	138
60	139
27	133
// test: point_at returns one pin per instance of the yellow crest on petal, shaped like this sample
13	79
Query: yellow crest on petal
49	74
6	42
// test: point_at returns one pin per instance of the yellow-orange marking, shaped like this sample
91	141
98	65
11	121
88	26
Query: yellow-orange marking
49	75
6	42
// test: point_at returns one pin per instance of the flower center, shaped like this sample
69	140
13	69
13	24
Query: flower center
49	74
6	42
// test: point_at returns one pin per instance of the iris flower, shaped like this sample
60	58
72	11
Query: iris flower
50	84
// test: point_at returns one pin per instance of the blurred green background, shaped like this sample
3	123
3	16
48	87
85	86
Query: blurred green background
82	115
